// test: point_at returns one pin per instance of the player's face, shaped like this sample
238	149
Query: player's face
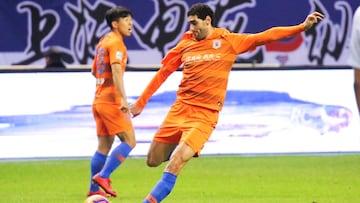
125	25
199	27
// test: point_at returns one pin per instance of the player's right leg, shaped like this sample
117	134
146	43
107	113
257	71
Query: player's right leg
104	146
97	162
99	158
180	156
159	152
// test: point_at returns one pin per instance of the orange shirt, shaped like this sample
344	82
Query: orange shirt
110	49
207	64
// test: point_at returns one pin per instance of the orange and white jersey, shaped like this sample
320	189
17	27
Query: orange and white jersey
207	64
110	49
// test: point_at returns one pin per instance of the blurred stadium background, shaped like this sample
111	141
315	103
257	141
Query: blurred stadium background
291	96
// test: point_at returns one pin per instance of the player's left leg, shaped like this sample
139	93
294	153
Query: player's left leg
116	158
119	153
97	163
117	123
178	159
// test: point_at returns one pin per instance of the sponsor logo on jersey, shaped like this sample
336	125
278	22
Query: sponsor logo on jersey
216	44
119	55
202	58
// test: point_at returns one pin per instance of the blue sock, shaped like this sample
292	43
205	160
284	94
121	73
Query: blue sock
117	156
162	188
97	163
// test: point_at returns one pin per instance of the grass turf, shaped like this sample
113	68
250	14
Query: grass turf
208	179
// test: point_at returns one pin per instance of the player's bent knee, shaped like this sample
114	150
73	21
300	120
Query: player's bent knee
128	137
151	162
131	144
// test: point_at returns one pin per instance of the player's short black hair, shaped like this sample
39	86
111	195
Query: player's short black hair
201	11
115	13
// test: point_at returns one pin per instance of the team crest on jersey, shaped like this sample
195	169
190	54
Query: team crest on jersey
118	55
216	44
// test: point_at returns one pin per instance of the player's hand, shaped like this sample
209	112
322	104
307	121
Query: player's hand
124	107
135	110
312	19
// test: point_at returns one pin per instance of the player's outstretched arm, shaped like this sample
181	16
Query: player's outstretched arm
161	75
246	42
312	19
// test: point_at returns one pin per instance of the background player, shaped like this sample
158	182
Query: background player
110	108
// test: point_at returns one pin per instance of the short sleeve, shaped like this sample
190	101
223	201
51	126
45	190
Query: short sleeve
117	52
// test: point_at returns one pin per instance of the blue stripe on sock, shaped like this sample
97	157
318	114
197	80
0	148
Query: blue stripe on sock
116	157
163	188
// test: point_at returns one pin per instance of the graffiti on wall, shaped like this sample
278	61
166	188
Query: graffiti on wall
325	44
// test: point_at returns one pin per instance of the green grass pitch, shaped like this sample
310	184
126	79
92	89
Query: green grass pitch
208	179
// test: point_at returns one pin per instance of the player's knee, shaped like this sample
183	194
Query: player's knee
132	144
152	161
128	137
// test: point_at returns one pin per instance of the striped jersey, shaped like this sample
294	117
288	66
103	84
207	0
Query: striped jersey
110	49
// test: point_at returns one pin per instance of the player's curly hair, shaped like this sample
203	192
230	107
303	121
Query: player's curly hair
115	13
201	11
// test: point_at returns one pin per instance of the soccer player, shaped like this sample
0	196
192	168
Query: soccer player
110	108
207	54
354	58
